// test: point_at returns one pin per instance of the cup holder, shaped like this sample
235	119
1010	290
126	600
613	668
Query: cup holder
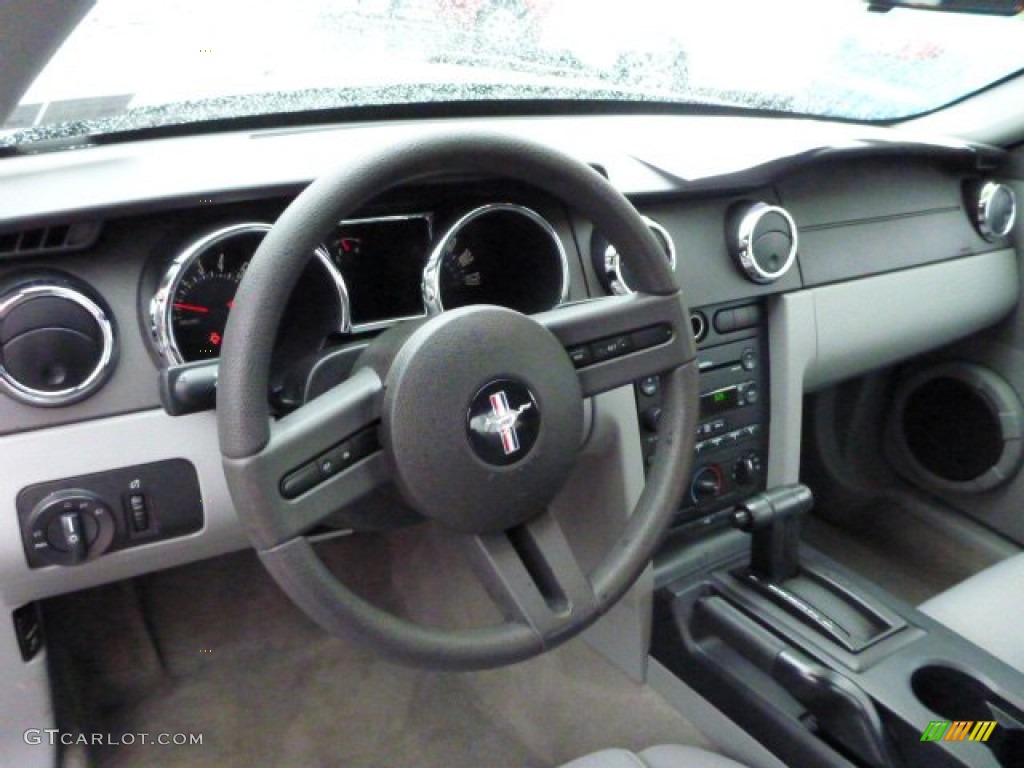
956	696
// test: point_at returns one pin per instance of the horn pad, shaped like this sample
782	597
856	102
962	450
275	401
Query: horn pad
482	418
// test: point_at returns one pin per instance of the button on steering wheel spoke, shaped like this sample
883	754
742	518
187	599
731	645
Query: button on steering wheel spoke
614	341
319	459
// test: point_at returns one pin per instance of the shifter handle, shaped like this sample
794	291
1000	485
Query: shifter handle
763	509
773	517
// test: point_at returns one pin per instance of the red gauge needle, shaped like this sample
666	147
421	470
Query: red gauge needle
192	308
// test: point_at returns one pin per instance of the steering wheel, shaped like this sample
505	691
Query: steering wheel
475	415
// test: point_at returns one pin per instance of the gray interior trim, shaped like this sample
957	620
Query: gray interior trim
25	702
102	445
793	340
612	454
981	609
730	739
865	324
824	335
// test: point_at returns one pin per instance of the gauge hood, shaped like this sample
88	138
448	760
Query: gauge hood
30	32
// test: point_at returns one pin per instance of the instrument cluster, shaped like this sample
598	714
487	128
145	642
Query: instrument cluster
368	274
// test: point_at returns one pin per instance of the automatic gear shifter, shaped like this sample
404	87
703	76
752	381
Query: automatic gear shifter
773	520
812	595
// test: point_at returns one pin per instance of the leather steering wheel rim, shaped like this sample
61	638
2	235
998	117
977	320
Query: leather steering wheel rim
257	451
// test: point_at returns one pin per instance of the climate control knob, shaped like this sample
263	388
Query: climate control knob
708	483
747	470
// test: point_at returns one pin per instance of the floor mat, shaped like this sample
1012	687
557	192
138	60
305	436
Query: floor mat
233	660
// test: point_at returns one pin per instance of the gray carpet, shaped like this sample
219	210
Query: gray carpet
216	649
893	544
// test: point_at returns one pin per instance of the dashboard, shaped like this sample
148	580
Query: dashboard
809	252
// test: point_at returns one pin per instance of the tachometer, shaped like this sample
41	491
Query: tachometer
190	309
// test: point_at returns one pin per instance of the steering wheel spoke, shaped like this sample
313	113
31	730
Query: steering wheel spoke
534	576
318	459
614	341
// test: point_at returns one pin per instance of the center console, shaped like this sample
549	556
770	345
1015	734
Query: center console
732	436
819	665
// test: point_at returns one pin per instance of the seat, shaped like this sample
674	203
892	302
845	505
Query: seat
665	756
986	610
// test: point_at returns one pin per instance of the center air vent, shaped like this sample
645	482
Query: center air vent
57	342
763	240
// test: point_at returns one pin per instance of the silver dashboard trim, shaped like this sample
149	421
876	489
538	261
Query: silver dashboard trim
613	261
431	285
983	210
161	306
96	377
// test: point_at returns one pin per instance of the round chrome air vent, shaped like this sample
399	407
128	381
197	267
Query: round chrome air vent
763	240
993	208
57	343
614	271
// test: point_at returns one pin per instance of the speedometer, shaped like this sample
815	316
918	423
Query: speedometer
190	309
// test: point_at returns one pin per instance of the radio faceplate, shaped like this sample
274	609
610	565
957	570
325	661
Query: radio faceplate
731	456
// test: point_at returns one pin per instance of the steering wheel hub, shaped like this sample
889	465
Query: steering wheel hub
483	416
503	422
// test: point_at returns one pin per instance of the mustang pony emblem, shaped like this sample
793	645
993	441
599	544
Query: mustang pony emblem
502	420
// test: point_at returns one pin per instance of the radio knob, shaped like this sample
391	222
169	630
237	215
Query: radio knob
707	483
748	360
747	470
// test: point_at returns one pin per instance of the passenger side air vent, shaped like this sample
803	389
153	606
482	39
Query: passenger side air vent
763	240
992	208
51	239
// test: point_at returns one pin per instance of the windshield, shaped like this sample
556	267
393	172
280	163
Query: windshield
143	63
